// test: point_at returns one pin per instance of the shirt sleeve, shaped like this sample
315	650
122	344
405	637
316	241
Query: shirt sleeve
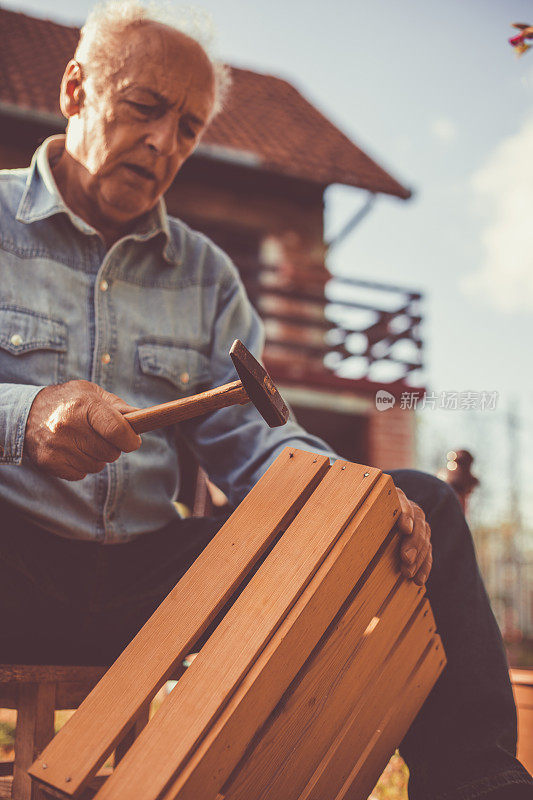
15	403
235	445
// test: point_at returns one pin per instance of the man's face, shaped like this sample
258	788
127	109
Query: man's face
132	136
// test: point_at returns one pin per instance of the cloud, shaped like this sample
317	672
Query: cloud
444	129
503	192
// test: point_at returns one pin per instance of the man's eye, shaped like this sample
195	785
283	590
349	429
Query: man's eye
142	108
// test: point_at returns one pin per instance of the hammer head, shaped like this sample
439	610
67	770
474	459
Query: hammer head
259	385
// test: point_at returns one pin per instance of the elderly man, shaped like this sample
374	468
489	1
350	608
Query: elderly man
106	301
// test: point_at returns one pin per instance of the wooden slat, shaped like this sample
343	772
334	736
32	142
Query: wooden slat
522	676
49	673
289	648
141	721
35	728
228	659
83	744
523	695
392	727
336	676
389	682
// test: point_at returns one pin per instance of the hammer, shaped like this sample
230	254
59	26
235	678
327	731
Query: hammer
255	385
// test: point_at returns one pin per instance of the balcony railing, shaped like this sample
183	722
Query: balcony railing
357	329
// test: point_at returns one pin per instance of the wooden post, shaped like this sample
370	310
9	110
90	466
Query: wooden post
35	729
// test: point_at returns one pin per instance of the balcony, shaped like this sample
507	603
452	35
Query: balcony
321	329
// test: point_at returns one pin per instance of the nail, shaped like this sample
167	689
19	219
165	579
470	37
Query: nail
410	554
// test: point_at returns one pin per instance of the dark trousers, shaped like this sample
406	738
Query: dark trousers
64	601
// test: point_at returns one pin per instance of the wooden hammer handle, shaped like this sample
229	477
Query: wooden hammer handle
149	419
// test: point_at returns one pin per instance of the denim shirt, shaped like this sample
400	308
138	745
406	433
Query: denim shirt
151	320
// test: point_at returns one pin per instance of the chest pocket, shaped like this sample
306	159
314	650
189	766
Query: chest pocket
33	347
166	372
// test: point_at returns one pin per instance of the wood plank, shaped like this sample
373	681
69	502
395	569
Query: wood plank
68	695
523	676
49	673
288	649
242	636
523	695
141	720
84	743
332	681
35	728
367	712
393	726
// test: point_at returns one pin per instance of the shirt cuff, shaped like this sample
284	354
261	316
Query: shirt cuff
15	404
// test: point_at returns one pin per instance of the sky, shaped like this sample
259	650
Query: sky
435	93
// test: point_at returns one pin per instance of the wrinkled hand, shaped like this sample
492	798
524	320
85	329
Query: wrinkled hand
416	549
77	427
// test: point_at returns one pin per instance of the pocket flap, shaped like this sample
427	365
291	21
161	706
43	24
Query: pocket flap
23	330
184	367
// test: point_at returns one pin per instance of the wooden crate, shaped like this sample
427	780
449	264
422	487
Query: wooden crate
320	657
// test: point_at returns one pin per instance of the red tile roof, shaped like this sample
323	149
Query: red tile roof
266	120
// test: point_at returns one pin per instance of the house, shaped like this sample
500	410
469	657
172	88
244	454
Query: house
256	186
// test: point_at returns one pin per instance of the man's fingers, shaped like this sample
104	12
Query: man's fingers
91	444
416	548
115	401
412	568
412	543
423	573
109	423
406	520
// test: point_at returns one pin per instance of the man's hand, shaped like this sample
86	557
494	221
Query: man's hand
416	547
77	427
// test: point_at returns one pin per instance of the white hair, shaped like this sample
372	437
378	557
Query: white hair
97	51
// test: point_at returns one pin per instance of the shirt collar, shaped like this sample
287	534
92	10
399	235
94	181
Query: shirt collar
42	199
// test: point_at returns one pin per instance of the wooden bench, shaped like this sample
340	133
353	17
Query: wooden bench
320	657
36	692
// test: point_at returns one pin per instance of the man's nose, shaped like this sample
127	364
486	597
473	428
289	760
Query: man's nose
163	135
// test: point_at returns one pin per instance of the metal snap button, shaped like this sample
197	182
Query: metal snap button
184	377
104	286
106	358
16	339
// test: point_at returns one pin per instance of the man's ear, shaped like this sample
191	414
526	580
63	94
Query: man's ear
71	93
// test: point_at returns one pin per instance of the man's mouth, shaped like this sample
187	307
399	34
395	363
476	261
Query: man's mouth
142	171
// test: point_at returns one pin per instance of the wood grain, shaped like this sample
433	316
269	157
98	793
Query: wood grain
48	673
140	722
331	682
35	728
84	743
371	706
230	655
154	417
392	727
